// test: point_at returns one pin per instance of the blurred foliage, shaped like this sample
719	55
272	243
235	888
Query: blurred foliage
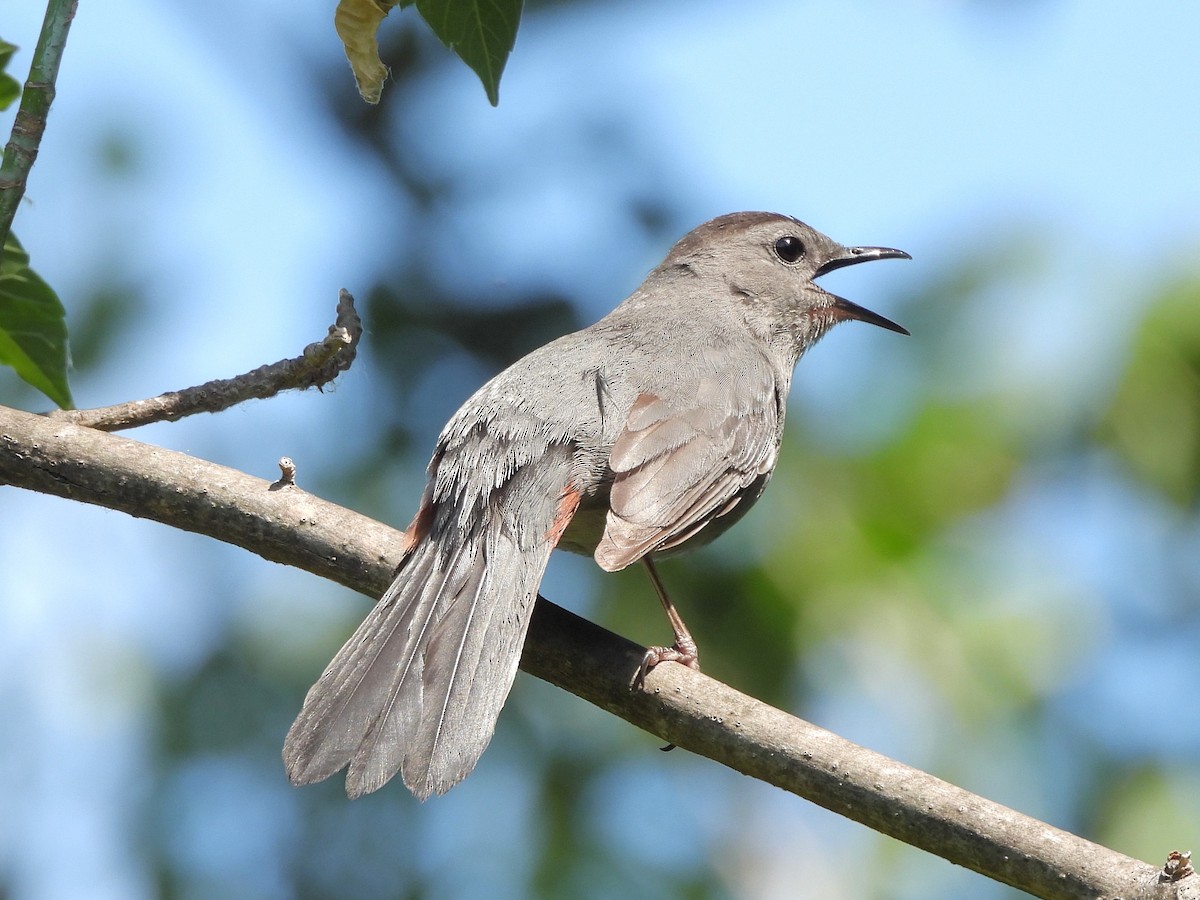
10	88
1153	423
415	323
1146	808
101	319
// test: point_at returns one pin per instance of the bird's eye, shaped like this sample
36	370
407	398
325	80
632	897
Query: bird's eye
789	248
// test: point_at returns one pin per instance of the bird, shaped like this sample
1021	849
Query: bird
654	429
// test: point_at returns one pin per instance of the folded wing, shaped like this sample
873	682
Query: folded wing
678	467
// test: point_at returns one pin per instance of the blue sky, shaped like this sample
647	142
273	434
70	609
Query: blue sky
932	126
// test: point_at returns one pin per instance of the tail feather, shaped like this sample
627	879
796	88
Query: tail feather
432	727
397	701
341	706
471	662
418	687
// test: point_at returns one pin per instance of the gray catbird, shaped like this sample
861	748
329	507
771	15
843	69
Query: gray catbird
657	425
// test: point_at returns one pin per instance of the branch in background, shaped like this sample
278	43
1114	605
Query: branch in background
286	524
30	122
319	364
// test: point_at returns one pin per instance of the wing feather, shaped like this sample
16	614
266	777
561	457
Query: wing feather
680	466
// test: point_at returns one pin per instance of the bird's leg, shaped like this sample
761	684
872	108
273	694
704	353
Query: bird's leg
684	651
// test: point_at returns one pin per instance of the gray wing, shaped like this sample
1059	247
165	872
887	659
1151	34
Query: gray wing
680	466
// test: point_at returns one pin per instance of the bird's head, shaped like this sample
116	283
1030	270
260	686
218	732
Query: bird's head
770	264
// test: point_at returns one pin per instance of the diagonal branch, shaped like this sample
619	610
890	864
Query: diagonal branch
697	713
316	366
681	706
30	122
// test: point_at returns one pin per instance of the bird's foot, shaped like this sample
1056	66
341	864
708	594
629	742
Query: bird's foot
684	652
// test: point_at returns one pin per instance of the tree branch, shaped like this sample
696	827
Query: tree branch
286	525
698	713
316	366
681	706
30	122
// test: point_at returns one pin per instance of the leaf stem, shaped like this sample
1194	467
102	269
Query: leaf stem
30	122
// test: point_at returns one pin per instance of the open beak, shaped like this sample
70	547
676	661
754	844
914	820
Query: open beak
842	309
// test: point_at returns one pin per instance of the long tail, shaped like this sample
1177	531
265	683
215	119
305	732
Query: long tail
418	687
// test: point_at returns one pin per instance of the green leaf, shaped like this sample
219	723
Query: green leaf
481	32
33	326
10	88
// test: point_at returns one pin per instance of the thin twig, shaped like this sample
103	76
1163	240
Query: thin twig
678	704
30	122
319	364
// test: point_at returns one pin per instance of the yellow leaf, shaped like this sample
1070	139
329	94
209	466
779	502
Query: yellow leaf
356	22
